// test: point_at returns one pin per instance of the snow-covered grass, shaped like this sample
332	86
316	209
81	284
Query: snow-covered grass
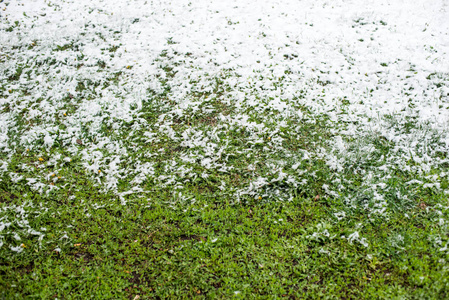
307	137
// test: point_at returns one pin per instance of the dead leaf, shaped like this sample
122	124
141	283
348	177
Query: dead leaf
79	142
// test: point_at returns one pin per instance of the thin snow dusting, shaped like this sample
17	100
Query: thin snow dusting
149	97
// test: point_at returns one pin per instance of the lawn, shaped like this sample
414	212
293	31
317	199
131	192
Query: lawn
210	149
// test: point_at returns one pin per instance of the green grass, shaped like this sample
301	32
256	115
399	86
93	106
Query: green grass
212	250
210	246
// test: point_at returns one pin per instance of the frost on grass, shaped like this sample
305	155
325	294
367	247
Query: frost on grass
242	102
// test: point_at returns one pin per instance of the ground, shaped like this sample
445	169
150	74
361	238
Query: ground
210	149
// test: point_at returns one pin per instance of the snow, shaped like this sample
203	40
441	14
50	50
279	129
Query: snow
370	66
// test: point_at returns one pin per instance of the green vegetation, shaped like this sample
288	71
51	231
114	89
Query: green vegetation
210	249
189	180
206	244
